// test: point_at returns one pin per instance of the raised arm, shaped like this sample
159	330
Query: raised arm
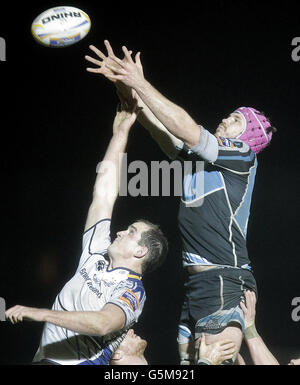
259	352
107	183
164	138
174	118
167	142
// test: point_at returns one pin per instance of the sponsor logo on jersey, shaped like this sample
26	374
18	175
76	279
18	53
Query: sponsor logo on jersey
131	299
101	265
225	142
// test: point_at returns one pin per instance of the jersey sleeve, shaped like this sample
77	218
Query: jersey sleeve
130	296
206	149
230	154
95	240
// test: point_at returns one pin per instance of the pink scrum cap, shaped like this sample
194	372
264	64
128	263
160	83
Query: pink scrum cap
257	133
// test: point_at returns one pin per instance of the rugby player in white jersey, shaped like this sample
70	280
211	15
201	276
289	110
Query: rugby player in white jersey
93	312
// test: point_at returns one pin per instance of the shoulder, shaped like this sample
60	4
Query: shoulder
235	155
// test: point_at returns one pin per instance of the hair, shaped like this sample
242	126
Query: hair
157	246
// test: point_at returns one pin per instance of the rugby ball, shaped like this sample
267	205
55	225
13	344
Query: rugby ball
60	26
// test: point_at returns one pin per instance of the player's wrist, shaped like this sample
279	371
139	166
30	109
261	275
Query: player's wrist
250	331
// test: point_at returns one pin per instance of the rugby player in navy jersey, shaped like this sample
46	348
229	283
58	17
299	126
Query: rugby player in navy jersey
93	312
213	218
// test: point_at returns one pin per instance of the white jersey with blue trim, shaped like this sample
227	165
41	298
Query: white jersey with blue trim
90	289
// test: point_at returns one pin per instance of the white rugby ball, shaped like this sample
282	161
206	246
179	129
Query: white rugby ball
61	26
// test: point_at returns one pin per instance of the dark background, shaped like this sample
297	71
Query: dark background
209	57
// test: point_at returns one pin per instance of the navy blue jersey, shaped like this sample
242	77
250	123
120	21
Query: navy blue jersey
215	205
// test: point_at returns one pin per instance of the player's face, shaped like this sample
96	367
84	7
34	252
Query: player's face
127	241
130	351
232	126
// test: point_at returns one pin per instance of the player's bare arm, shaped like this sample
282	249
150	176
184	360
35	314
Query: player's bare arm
146	118
95	323
177	121
259	352
107	183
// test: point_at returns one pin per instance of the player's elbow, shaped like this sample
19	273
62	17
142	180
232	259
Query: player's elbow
110	319
106	326
102	330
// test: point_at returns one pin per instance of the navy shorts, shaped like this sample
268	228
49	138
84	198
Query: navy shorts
211	301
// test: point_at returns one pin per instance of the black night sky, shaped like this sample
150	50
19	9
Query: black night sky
209	57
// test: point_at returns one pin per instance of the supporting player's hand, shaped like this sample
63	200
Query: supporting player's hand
217	352
23	313
249	308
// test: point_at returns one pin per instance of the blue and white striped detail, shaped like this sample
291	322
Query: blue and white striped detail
190	259
103	359
200	184
219	320
184	335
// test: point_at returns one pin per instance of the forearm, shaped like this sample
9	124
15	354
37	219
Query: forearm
175	119
260	354
108	172
166	141
107	184
87	323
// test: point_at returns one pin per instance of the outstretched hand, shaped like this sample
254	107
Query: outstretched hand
127	71
20	313
102	60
